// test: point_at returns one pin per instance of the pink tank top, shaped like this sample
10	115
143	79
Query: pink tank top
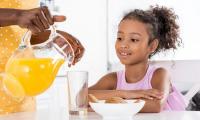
175	100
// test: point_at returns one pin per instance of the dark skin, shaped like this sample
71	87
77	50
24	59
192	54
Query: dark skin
37	19
76	44
133	49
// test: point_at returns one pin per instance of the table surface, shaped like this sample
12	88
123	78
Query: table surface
61	114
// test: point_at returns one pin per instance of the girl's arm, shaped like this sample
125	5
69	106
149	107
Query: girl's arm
161	82
106	88
127	94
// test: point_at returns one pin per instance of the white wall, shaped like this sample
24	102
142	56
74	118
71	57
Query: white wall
187	10
86	20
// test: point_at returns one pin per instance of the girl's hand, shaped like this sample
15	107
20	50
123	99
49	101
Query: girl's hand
146	94
37	19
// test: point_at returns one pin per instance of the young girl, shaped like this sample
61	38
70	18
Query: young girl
142	34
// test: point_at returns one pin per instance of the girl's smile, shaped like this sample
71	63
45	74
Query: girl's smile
124	53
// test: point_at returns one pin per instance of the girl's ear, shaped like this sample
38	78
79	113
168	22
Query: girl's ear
153	45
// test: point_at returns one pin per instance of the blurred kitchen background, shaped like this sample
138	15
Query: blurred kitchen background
94	23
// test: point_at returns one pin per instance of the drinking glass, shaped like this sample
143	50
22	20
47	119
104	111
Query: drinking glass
77	92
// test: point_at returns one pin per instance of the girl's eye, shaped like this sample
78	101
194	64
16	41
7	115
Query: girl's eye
119	39
134	40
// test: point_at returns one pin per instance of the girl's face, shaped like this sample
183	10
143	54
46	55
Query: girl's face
132	42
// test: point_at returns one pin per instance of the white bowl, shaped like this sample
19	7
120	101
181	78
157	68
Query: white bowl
117	110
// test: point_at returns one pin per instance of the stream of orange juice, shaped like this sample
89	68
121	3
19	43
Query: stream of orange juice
34	74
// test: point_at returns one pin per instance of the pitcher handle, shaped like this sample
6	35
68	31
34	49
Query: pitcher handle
25	41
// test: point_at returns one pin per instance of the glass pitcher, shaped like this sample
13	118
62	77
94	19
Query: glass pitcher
35	67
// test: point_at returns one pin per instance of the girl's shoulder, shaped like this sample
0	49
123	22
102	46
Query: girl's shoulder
111	75
160	72
160	77
107	82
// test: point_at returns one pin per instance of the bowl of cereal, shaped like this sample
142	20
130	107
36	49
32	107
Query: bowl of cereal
117	108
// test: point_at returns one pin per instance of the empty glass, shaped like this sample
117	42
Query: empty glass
77	92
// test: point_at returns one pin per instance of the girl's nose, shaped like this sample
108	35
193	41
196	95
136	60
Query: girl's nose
124	46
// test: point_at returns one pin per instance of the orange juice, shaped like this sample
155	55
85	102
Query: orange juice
34	74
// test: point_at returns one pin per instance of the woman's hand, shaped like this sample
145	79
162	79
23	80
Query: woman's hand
37	19
76	45
145	94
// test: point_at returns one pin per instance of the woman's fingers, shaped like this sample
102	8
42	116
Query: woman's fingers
43	20
79	51
59	18
38	24
33	29
47	19
51	19
47	14
75	44
37	19
78	54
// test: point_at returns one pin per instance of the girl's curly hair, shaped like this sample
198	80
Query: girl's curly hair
161	25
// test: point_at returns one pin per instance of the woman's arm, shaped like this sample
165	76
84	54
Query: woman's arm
8	17
161	82
36	20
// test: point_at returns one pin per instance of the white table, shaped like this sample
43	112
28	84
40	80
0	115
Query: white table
61	114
